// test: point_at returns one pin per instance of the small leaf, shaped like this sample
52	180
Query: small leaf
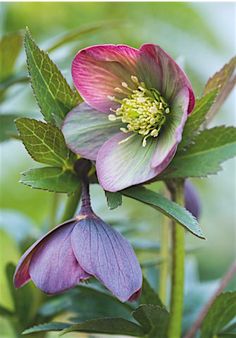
10	46
7	126
52	179
167	207
222	311
211	147
107	326
149	296
153	318
44	142
54	96
224	81
114	199
54	326
196	118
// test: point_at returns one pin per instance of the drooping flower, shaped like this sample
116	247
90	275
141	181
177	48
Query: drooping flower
136	105
77	250
192	199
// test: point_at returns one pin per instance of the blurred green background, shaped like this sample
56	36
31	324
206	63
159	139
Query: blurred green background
200	36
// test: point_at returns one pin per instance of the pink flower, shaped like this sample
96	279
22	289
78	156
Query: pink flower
78	249
136	105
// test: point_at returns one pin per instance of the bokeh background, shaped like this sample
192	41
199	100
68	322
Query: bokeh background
201	37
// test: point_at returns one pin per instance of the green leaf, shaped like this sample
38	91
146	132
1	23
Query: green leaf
149	296
7	126
114	199
23	298
153	318
52	179
211	147
224	81
222	311
167	207
4	312
44	142
196	118
54	96
107	326
10	46
54	326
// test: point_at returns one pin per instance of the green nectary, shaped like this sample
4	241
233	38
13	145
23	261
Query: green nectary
143	111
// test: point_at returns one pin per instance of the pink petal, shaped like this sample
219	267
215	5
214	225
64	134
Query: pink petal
98	70
171	134
120	165
86	129
164	74
105	254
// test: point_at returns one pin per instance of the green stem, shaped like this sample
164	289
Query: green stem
71	205
164	268
53	211
177	278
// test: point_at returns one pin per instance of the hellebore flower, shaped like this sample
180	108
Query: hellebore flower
77	250
136	105
192	199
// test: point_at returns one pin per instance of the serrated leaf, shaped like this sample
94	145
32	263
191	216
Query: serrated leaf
54	326
114	199
224	81
54	96
7	126
196	118
10	46
44	142
149	296
52	179
107	326
167	207
222	311
210	148
153	318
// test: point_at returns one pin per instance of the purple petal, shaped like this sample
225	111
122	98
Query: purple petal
160	71
98	70
43	262
192	199
85	130
120	165
105	254
171	134
53	267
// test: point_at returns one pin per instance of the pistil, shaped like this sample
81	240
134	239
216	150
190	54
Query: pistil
143	112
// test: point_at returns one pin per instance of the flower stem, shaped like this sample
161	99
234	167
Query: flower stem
164	268
54	207
177	278
71	205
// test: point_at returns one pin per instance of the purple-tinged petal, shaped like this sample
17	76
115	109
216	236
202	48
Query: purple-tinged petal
122	163
23	270
85	130
53	267
98	70
192	199
171	133
160	71
105	254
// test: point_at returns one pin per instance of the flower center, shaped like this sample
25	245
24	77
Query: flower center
143	111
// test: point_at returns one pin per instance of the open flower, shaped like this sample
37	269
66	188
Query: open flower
192	199
136	105
77	250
